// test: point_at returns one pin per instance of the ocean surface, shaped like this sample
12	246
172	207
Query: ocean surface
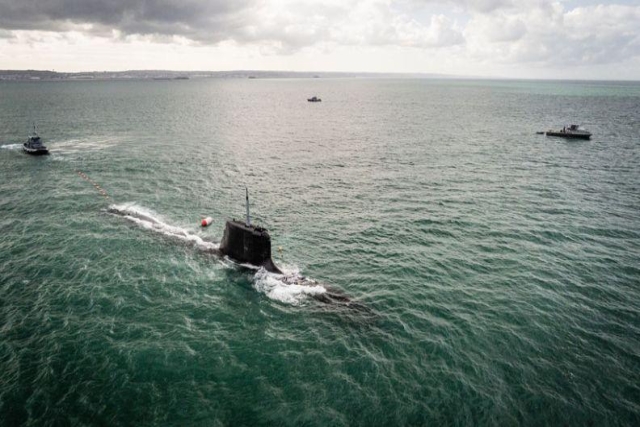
494	273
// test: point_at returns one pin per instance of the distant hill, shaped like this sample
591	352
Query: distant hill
183	75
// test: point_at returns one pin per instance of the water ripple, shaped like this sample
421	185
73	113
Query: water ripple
493	271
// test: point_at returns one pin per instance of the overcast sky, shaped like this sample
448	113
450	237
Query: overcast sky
582	39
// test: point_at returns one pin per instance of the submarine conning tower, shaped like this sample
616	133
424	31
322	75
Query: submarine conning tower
247	243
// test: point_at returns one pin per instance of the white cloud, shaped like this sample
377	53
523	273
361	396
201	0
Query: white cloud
548	35
476	37
292	25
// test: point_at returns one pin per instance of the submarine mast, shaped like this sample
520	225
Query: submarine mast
248	217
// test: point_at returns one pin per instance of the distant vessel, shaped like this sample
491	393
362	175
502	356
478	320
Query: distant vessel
171	78
314	99
571	131
34	144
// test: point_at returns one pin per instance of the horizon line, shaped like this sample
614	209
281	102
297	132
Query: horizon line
319	73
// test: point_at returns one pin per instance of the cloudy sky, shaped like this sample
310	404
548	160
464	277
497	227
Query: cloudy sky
583	39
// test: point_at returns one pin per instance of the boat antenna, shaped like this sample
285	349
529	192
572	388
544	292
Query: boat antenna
247	198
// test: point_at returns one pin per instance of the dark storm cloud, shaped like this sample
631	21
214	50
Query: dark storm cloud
202	20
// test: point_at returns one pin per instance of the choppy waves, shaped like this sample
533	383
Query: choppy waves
500	266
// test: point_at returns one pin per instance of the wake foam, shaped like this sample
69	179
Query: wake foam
152	221
288	288
72	146
11	146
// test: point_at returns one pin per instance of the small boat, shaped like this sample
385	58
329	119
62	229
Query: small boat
34	144
314	99
571	131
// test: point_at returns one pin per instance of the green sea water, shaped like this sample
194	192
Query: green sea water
496	271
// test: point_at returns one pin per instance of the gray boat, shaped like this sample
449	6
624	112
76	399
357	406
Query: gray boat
34	145
571	131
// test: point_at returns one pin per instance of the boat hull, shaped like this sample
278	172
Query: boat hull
570	135
38	152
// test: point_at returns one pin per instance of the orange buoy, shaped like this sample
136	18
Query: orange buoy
206	221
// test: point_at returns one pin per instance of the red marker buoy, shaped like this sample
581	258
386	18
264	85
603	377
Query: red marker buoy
206	221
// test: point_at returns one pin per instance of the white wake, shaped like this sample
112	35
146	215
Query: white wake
149	220
72	146
289	288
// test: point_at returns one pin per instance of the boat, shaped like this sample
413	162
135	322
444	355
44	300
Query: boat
34	144
571	131
314	99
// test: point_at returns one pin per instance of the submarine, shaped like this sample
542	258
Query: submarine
247	243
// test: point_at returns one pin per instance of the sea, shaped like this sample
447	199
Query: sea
490	274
